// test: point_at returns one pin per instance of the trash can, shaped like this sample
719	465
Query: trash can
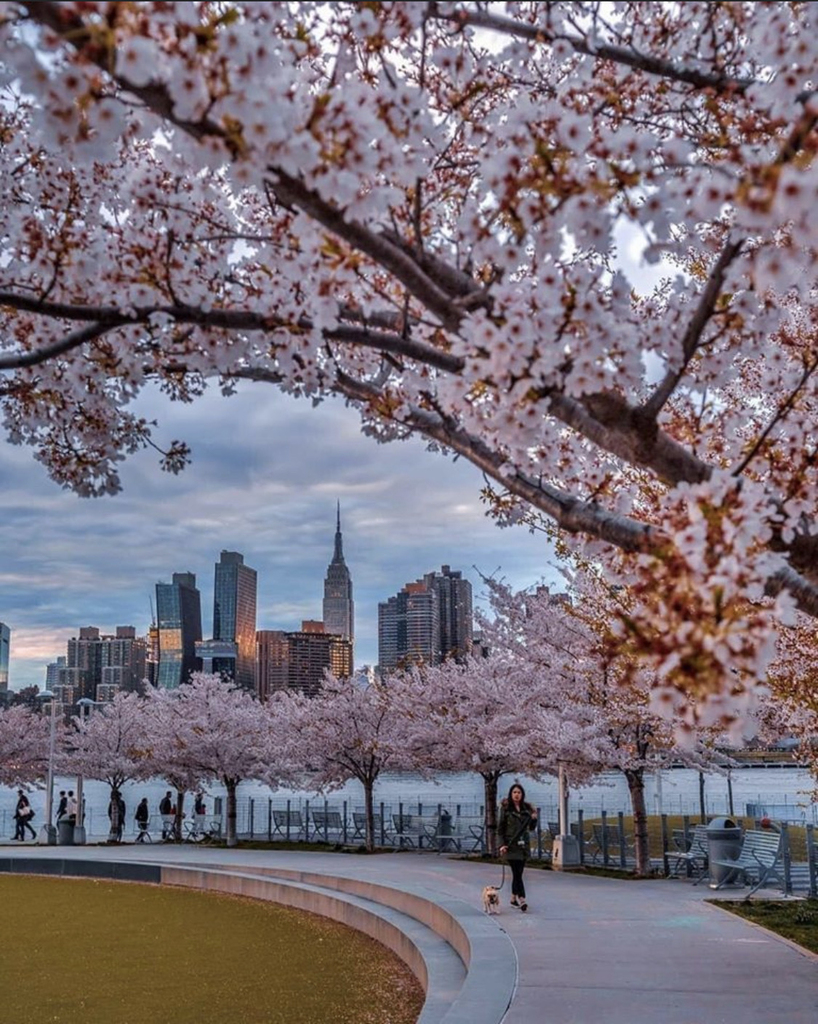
65	832
723	843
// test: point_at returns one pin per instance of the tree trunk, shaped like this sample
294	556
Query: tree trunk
369	810
490	780
636	785
113	803
232	839
177	821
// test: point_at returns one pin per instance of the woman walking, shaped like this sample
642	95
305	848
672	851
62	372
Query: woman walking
23	813
517	819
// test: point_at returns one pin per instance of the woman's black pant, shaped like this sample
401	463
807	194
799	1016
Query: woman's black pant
517	887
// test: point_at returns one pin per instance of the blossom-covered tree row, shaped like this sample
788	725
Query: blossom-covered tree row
446	213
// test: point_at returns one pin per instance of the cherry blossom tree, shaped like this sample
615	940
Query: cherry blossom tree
474	717
163	711
215	731
793	704
590	706
573	243
109	744
348	731
24	743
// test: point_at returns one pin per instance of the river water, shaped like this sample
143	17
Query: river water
779	792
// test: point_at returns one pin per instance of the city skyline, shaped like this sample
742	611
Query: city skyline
70	562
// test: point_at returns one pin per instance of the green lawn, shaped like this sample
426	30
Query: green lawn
99	952
794	919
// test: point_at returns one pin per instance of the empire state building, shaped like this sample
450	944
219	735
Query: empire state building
339	608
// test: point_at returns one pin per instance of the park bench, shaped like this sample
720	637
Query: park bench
607	840
412	829
382	830
203	829
288	825
758	859
694	856
461	832
327	825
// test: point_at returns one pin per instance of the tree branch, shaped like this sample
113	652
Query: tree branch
604	51
692	337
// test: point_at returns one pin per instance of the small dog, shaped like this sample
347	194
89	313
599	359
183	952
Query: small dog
491	900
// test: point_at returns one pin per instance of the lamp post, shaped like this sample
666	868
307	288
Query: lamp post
48	834
85	704
565	852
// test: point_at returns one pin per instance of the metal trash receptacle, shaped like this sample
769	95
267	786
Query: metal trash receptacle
65	832
723	843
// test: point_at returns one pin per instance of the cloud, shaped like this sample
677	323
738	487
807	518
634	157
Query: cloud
267	471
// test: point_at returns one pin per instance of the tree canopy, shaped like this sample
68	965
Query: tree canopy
442	213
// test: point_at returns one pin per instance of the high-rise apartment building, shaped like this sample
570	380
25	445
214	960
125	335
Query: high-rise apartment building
114	661
52	672
427	622
234	618
339	607
272	662
298	660
456	613
179	624
5	651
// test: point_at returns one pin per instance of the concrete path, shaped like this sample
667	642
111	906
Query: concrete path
591	950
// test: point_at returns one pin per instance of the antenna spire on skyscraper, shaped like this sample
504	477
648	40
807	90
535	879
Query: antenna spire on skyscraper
338	555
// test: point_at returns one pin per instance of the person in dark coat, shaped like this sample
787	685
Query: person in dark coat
517	819
62	805
116	815
166	809
23	814
142	817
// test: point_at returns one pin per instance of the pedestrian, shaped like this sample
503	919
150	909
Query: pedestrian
517	819
61	806
23	813
116	815
166	810
142	817
199	805
71	808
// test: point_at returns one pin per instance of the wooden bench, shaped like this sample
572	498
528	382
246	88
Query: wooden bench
695	856
606	839
381	831
412	829
327	825
453	834
288	825
758	859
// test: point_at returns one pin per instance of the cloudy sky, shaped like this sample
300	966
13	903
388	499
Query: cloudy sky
267	471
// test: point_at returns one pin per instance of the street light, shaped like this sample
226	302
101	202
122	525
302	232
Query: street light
48	834
565	851
84	704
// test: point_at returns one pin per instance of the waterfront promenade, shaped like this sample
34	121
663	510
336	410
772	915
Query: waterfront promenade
591	949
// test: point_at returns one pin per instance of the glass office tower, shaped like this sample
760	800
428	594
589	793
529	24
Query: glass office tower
179	625
234	617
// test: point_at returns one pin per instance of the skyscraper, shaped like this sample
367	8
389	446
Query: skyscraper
5	649
298	660
179	624
114	662
339	608
456	615
234	617
429	621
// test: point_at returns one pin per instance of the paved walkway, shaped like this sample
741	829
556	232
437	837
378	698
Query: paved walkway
591	950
